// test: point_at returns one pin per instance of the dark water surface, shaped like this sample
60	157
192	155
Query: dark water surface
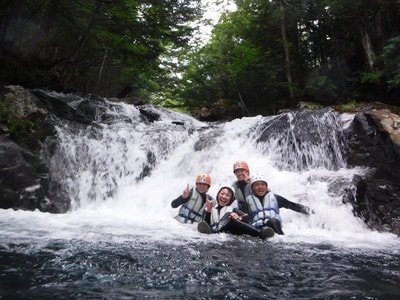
240	268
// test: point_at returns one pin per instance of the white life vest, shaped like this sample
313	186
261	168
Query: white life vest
261	211
192	210
217	214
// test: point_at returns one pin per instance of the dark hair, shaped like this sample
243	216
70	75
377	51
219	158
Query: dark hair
230	190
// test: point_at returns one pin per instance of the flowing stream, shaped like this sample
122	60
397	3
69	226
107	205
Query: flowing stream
120	240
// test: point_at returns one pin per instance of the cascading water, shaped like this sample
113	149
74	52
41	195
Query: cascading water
120	238
303	140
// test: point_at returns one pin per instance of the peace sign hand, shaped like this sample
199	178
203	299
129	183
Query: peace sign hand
209	204
186	192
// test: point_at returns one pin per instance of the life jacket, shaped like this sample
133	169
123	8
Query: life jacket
242	205
261	211
192	210
217	213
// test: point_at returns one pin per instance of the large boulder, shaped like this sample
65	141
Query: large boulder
25	182
23	178
374	142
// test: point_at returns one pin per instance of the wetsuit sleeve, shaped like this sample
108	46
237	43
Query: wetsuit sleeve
180	200
285	203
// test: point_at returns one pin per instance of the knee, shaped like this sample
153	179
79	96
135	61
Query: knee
276	225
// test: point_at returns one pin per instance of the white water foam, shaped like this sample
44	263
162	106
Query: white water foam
137	210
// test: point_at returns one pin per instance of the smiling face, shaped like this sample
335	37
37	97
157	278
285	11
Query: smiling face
241	174
224	197
202	187
259	188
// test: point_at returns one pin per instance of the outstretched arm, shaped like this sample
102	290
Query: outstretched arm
283	202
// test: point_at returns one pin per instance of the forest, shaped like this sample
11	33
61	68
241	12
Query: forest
264	56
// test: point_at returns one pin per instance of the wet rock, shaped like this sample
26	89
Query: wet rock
206	115
22	179
221	110
60	108
149	115
373	142
22	102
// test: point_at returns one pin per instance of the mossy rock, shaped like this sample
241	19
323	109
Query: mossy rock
22	118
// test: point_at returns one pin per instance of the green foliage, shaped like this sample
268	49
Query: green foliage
12	125
372	77
347	107
391	55
268	54
274	54
89	46
239	61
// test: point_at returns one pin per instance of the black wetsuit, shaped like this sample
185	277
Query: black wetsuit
233	226
242	204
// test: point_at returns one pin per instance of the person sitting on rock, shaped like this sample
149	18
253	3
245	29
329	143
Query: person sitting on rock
192	201
224	216
264	206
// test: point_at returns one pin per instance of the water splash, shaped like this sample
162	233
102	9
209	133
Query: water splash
94	162
305	140
122	175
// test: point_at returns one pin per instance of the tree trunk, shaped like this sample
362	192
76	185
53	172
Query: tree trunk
101	69
287	52
368	48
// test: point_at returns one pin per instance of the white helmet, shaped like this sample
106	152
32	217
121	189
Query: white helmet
258	177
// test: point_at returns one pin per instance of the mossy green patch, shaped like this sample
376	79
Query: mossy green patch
21	130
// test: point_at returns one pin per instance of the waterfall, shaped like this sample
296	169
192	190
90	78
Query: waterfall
303	140
131	170
94	162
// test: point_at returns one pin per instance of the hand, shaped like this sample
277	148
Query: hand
209	204
235	216
247	178
186	192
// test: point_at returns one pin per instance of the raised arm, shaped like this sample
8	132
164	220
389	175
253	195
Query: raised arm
182	198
